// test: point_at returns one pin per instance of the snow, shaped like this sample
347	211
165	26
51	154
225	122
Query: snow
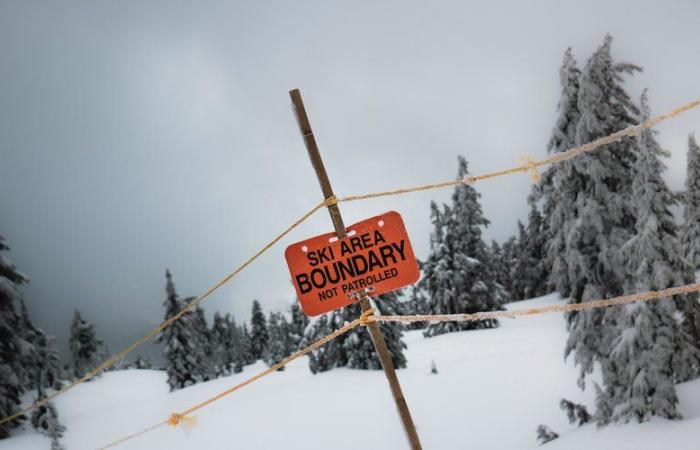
493	389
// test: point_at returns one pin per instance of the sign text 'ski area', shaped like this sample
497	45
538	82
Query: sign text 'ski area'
376	256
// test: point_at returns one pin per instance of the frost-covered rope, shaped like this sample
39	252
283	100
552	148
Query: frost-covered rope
368	316
155	331
571	307
176	418
529	166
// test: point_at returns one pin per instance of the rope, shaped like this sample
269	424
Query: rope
369	316
118	356
176	418
571	307
530	165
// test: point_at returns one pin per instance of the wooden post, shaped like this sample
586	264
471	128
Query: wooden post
373	327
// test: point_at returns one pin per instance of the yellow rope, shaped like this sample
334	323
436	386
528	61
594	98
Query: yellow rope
530	165
571	307
118	356
176	418
368	316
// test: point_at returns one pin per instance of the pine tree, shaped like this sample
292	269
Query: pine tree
545	434
297	325
259	336
141	362
246	346
280	344
221	344
521	265
604	216
182	351
690	233
653	347
355	349
501	269
205	345
86	348
531	269
327	356
14	348
457	275
44	419
558	187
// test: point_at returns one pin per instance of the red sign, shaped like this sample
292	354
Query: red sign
376	256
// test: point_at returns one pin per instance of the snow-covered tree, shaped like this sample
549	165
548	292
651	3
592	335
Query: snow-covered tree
297	324
531	269
690	232
545	434
14	347
355	349
141	362
280	344
604	215
653	346
575	412
44	419
223	336
206	347
457	275
86	348
183	357
246	346
327	356
259	336
501	269
558	188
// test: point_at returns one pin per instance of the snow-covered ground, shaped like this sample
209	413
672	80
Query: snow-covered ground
493	388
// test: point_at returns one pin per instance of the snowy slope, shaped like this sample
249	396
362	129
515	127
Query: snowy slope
493	388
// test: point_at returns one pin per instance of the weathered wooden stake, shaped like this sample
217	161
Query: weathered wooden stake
373	327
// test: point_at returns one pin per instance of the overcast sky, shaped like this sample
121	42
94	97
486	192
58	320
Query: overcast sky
136	136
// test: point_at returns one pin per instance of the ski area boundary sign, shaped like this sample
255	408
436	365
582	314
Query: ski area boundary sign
376	256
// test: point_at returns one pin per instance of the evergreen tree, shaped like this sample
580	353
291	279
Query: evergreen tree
417	304
281	343
246	346
531	268
558	187
690	233
86	348
141	362
44	419
653	346
457	275
604	217
355	349
205	345
259	336
297	325
221	344
521	265
327	356
14	348
182	354
501	269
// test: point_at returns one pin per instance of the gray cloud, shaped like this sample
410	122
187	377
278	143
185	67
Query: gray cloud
138	136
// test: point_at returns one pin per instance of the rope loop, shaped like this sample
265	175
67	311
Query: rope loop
367	317
330	201
176	419
532	167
